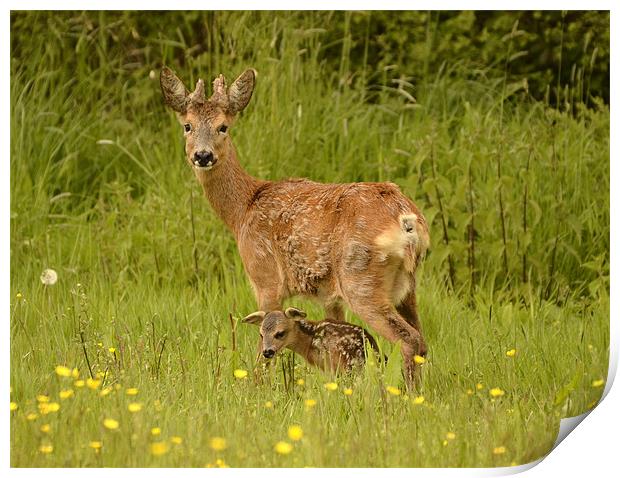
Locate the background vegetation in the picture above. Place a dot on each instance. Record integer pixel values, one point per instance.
(495, 123)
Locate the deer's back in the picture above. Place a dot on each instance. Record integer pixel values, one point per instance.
(304, 226)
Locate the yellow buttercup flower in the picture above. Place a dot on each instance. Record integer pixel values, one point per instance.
(134, 407)
(479, 386)
(301, 382)
(445, 443)
(105, 391)
(496, 392)
(43, 398)
(159, 448)
(392, 390)
(75, 373)
(598, 383)
(131, 391)
(511, 353)
(92, 383)
(499, 450)
(176, 440)
(95, 445)
(110, 424)
(310, 402)
(45, 428)
(418, 400)
(79, 383)
(348, 391)
(283, 448)
(14, 406)
(295, 432)
(331, 386)
(269, 404)
(32, 416)
(450, 436)
(46, 448)
(51, 407)
(155, 431)
(239, 373)
(64, 394)
(63, 371)
(218, 443)
(419, 359)
(111, 350)
(18, 295)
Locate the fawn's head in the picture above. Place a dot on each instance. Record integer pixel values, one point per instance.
(277, 329)
(206, 121)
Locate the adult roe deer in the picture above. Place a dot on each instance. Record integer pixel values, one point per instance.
(357, 243)
(328, 344)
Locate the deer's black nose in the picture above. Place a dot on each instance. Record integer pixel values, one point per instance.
(269, 353)
(204, 159)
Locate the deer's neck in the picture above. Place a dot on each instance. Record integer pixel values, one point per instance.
(229, 189)
(303, 344)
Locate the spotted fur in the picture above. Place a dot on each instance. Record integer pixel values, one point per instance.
(328, 344)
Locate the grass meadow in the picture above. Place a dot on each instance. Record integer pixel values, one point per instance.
(136, 356)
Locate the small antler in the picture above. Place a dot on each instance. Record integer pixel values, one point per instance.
(220, 93)
(198, 96)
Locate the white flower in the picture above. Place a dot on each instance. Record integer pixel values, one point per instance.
(49, 277)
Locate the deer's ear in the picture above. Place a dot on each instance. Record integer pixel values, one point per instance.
(240, 91)
(293, 313)
(255, 319)
(173, 90)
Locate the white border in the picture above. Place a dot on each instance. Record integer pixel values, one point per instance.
(589, 451)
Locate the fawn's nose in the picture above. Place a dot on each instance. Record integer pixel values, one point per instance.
(204, 159)
(269, 353)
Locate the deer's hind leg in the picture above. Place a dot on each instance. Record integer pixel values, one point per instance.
(367, 299)
(409, 311)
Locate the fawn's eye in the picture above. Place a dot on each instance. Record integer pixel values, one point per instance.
(222, 129)
(188, 127)
(279, 335)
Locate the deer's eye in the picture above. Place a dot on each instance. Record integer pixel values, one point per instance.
(188, 127)
(222, 129)
(279, 335)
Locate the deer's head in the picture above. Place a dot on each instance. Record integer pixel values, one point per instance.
(277, 329)
(206, 122)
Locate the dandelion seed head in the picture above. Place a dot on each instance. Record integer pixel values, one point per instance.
(49, 277)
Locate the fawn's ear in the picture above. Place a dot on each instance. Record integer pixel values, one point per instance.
(256, 318)
(293, 313)
(173, 90)
(240, 91)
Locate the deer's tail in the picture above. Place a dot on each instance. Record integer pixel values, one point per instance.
(408, 241)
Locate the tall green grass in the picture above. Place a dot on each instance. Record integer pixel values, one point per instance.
(516, 192)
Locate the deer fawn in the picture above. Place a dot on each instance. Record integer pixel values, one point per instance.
(329, 344)
(357, 244)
